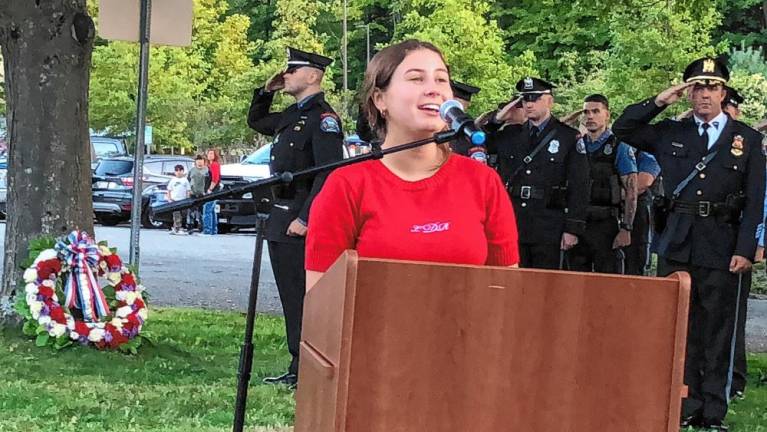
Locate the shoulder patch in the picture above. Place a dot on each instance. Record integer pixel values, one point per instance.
(580, 147)
(329, 123)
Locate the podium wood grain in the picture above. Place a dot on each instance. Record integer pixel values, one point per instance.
(394, 346)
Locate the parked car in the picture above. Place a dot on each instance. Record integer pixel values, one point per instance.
(239, 212)
(106, 147)
(113, 187)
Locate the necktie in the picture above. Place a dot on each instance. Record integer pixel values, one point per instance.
(704, 135)
(534, 131)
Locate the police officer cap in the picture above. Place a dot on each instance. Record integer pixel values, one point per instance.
(733, 97)
(531, 85)
(707, 71)
(463, 91)
(298, 58)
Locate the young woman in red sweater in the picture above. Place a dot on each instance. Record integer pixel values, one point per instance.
(423, 204)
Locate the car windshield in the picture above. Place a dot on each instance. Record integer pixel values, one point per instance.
(104, 148)
(259, 157)
(113, 167)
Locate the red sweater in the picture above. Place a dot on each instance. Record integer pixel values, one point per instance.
(461, 215)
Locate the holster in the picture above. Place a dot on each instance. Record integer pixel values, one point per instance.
(661, 207)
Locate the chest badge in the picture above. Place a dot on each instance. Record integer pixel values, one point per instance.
(608, 150)
(554, 147)
(737, 146)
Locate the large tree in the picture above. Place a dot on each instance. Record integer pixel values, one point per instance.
(47, 51)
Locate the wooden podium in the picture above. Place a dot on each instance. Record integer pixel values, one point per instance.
(392, 346)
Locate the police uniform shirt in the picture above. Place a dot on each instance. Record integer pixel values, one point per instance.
(646, 163)
(625, 162)
(306, 134)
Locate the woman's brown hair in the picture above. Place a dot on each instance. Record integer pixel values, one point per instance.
(216, 155)
(378, 76)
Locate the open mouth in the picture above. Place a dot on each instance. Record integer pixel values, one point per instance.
(431, 108)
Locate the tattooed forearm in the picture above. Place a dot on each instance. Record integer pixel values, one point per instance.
(630, 202)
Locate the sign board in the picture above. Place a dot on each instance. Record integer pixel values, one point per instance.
(148, 135)
(170, 22)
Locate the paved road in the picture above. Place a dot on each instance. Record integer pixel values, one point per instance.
(214, 272)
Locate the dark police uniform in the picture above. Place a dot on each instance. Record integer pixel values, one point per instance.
(306, 134)
(462, 144)
(609, 160)
(713, 218)
(638, 252)
(547, 193)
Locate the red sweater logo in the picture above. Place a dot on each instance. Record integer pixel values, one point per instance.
(430, 227)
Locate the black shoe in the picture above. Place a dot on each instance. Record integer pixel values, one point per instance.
(691, 421)
(737, 395)
(286, 379)
(714, 426)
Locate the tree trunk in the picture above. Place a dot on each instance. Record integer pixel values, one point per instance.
(47, 46)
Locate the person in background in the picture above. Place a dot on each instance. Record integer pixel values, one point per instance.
(214, 167)
(178, 189)
(462, 144)
(197, 177)
(426, 203)
(638, 252)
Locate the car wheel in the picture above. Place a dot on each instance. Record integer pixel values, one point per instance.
(108, 220)
(148, 221)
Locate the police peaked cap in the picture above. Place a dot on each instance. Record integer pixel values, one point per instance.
(733, 97)
(298, 58)
(707, 71)
(463, 91)
(531, 85)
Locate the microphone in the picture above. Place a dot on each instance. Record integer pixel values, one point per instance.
(452, 113)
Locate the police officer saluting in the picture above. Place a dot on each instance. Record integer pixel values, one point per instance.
(612, 194)
(306, 134)
(714, 179)
(545, 172)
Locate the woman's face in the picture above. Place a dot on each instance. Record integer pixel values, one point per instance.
(419, 86)
(211, 155)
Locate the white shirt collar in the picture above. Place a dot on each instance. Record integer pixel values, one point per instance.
(717, 122)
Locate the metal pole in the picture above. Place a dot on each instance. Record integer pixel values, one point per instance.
(345, 59)
(246, 351)
(138, 159)
(367, 27)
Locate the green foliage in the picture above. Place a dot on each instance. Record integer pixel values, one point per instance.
(471, 44)
(748, 60)
(641, 60)
(753, 88)
(194, 92)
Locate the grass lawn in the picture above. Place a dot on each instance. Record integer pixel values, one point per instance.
(186, 381)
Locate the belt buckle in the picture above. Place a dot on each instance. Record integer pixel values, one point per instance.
(525, 192)
(704, 208)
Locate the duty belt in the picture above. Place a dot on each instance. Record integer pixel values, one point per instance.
(527, 192)
(697, 208)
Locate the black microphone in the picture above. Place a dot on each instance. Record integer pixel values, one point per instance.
(452, 113)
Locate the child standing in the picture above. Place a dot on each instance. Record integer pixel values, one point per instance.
(178, 189)
(198, 176)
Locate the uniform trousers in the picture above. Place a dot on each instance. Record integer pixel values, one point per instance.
(539, 255)
(740, 370)
(288, 266)
(710, 338)
(594, 251)
(638, 252)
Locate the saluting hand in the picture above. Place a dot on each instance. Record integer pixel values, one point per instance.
(504, 115)
(276, 82)
(572, 118)
(739, 264)
(672, 94)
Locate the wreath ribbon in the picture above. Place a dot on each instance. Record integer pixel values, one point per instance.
(81, 289)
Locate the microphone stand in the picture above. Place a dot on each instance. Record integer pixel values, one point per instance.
(246, 351)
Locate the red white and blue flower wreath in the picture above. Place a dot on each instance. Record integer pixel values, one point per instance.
(71, 270)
